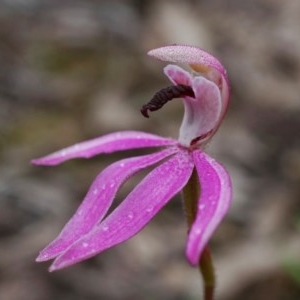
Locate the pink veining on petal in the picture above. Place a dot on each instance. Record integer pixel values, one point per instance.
(189, 55)
(99, 199)
(213, 204)
(140, 206)
(109, 143)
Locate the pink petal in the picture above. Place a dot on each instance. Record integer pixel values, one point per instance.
(140, 206)
(201, 115)
(213, 204)
(99, 199)
(177, 75)
(189, 55)
(105, 144)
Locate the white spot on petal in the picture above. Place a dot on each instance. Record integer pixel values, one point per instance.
(112, 184)
(201, 206)
(130, 215)
(198, 231)
(105, 227)
(149, 209)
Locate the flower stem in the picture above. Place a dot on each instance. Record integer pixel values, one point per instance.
(207, 270)
(191, 194)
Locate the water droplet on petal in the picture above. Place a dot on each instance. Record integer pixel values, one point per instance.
(95, 191)
(198, 231)
(105, 227)
(112, 184)
(149, 209)
(122, 165)
(130, 215)
(84, 245)
(63, 153)
(201, 206)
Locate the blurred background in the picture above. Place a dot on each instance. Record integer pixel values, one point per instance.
(73, 70)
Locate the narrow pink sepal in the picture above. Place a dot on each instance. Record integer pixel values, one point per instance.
(188, 55)
(213, 204)
(140, 206)
(109, 143)
(98, 200)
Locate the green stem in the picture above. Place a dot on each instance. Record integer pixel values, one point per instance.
(208, 274)
(191, 194)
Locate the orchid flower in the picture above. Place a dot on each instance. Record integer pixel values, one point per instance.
(204, 90)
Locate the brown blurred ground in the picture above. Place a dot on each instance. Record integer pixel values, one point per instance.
(72, 70)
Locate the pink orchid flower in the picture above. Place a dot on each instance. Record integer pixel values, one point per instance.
(205, 94)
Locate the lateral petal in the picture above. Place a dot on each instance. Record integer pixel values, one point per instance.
(139, 207)
(213, 204)
(109, 143)
(99, 199)
(177, 75)
(201, 114)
